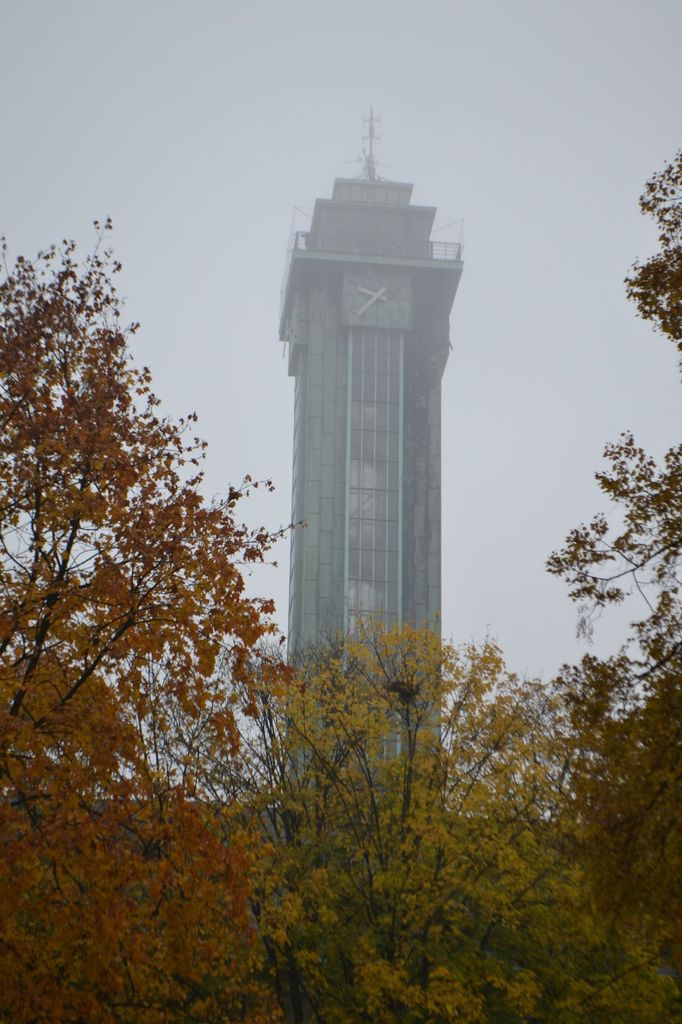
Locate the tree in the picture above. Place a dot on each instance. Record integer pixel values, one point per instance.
(656, 286)
(410, 798)
(627, 708)
(120, 588)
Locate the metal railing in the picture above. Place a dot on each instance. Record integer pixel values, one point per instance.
(352, 245)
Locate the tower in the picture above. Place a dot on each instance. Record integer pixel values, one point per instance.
(365, 313)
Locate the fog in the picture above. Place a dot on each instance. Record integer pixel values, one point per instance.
(199, 127)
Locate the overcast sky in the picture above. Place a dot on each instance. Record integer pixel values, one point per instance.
(199, 126)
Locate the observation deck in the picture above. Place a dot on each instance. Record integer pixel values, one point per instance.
(351, 245)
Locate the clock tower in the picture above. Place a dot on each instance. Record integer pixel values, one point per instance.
(365, 314)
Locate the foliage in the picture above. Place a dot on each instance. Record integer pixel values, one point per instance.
(656, 286)
(627, 709)
(119, 590)
(410, 800)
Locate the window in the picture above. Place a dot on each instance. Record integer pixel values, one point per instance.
(373, 484)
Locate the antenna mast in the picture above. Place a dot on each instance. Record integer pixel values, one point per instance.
(371, 133)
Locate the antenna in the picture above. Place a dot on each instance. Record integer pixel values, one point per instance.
(371, 133)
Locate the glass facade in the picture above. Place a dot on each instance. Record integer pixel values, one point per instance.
(373, 557)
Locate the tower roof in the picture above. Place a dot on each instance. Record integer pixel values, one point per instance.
(362, 190)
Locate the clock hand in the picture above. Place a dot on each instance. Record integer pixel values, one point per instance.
(381, 294)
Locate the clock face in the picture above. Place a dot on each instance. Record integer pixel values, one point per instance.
(377, 298)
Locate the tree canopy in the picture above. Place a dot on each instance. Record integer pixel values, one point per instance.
(627, 709)
(655, 286)
(411, 799)
(120, 591)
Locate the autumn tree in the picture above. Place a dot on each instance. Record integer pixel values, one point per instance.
(123, 895)
(656, 285)
(627, 708)
(410, 798)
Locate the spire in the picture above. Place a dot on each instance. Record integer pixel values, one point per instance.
(371, 133)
